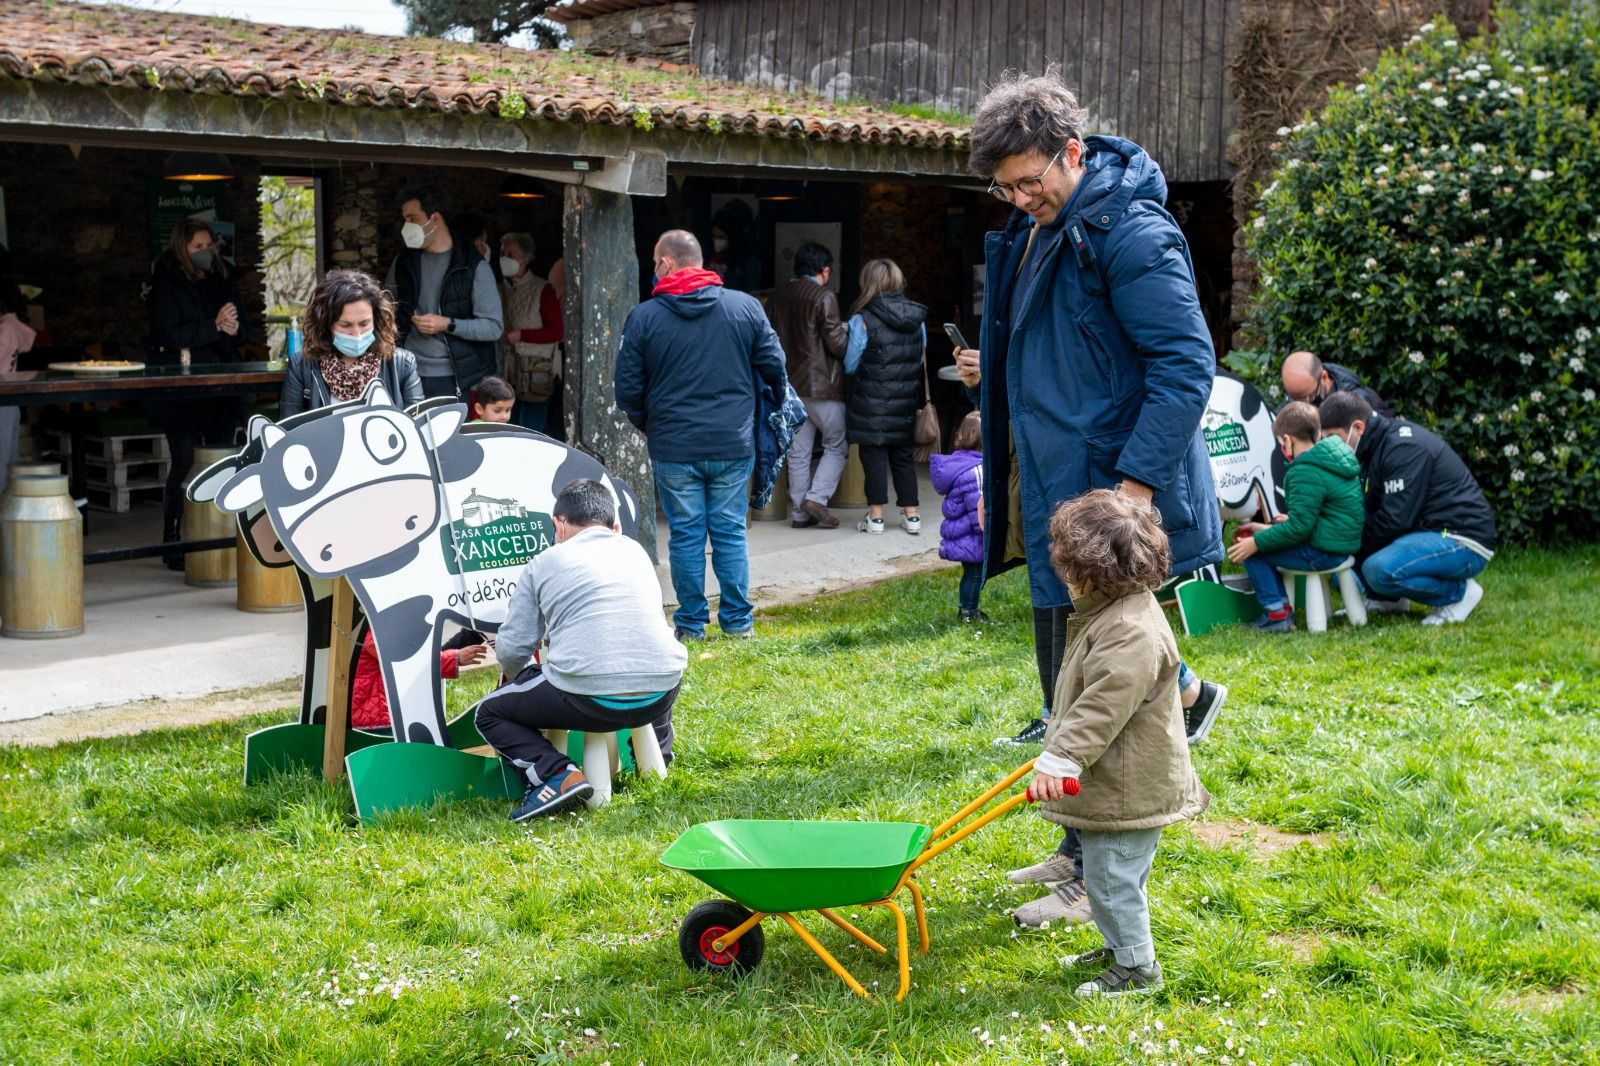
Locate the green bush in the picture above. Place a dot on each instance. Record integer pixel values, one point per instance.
(1435, 228)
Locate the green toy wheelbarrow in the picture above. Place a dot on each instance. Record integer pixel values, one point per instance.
(771, 868)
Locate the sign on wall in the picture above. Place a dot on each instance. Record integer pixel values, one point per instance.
(170, 202)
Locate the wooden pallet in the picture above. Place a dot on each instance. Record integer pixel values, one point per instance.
(127, 448)
(119, 500)
(122, 475)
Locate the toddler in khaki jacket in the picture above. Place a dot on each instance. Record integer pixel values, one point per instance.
(1118, 728)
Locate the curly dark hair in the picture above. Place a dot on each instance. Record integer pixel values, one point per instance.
(1109, 542)
(337, 289)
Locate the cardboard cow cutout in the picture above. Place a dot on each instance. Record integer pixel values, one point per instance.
(1246, 466)
(430, 522)
(1247, 469)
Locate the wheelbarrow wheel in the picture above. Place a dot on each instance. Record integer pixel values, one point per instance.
(710, 920)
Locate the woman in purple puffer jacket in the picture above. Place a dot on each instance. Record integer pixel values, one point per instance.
(958, 477)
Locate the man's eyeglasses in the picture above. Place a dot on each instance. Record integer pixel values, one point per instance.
(1027, 186)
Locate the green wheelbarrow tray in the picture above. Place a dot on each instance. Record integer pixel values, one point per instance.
(773, 868)
(776, 866)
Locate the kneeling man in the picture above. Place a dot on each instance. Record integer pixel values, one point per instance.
(1428, 530)
(611, 664)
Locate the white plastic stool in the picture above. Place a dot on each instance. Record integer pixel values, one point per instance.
(602, 759)
(1319, 595)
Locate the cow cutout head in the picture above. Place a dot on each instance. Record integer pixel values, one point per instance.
(351, 488)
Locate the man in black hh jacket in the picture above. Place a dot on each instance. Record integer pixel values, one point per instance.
(1429, 530)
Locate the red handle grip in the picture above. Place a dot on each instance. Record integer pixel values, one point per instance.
(1069, 785)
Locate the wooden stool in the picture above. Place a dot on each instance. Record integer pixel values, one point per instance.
(601, 758)
(1319, 595)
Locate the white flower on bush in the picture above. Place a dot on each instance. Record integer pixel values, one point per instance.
(1537, 457)
(1538, 175)
(1562, 296)
(1517, 475)
(1511, 450)
(1526, 358)
(1493, 83)
(1471, 75)
(1575, 363)
(1381, 168)
(1504, 312)
(1479, 419)
(1588, 395)
(1582, 334)
(1572, 436)
(1497, 170)
(1372, 264)
(1535, 396)
(1386, 149)
(1441, 101)
(1283, 131)
(1479, 149)
(1417, 357)
(1442, 282)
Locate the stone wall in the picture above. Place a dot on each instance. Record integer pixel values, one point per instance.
(78, 228)
(660, 33)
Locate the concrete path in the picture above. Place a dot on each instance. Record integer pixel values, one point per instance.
(156, 652)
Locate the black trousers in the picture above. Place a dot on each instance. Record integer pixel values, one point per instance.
(878, 461)
(1049, 649)
(511, 717)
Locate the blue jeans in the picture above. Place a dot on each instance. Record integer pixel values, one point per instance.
(971, 585)
(531, 415)
(700, 499)
(1429, 568)
(1268, 583)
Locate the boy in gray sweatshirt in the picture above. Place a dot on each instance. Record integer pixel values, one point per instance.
(612, 662)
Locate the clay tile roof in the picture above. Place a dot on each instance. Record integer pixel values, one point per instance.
(41, 40)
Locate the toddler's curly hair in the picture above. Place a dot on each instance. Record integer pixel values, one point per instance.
(1109, 542)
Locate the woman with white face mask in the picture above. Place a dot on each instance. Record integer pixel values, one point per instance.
(194, 307)
(533, 333)
(350, 333)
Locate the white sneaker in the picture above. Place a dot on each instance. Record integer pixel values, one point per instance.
(1388, 606)
(868, 524)
(1458, 611)
(911, 522)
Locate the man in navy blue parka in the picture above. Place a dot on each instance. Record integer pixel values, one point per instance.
(1094, 361)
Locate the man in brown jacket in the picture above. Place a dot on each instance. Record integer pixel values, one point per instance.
(805, 315)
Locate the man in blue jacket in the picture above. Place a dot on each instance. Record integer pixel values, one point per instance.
(1095, 368)
(686, 377)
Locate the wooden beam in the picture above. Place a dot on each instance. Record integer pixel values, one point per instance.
(340, 649)
(602, 287)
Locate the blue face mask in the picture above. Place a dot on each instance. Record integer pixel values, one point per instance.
(354, 347)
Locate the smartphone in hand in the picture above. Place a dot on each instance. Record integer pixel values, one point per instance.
(953, 331)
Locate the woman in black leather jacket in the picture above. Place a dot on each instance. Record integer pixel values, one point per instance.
(350, 333)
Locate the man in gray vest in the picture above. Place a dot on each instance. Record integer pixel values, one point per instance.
(449, 308)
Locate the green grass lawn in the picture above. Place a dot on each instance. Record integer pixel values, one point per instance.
(1402, 865)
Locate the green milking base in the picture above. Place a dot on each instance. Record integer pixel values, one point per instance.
(388, 777)
(1204, 605)
(294, 747)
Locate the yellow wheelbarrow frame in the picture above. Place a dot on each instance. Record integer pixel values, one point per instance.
(944, 837)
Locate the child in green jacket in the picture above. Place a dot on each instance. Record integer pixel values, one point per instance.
(1323, 526)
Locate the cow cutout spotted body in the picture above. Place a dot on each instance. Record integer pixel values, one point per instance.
(377, 495)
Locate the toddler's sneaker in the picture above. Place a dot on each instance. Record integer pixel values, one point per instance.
(554, 796)
(1279, 621)
(911, 522)
(868, 524)
(1067, 903)
(976, 617)
(1120, 980)
(1054, 870)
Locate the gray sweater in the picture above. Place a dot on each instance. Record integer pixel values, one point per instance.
(596, 597)
(432, 350)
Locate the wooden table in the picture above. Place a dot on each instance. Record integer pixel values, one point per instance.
(51, 388)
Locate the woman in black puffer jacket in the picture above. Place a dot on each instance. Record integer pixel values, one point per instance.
(194, 306)
(887, 387)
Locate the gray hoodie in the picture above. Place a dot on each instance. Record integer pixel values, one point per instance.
(595, 596)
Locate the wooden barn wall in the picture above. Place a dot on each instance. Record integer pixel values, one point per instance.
(1154, 71)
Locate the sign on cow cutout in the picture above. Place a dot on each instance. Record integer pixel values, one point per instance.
(428, 520)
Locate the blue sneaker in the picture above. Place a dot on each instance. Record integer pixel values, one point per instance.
(555, 796)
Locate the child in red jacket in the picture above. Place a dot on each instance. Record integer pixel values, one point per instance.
(369, 704)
